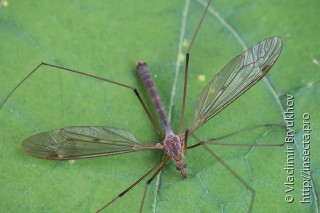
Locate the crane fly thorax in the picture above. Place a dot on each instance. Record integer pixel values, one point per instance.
(172, 145)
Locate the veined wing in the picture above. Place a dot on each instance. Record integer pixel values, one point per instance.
(82, 142)
(235, 78)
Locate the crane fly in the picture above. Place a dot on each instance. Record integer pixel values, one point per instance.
(78, 142)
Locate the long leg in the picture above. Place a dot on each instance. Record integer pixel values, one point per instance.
(160, 163)
(211, 141)
(186, 135)
(187, 67)
(150, 180)
(229, 169)
(89, 75)
(248, 128)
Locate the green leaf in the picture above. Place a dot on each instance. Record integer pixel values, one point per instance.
(106, 38)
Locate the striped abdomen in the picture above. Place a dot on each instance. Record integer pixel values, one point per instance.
(144, 73)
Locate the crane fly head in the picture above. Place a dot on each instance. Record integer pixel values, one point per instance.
(181, 165)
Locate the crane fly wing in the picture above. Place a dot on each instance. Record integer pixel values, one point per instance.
(235, 78)
(82, 142)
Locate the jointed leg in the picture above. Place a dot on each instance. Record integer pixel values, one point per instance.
(248, 128)
(187, 66)
(211, 141)
(229, 169)
(85, 74)
(150, 180)
(159, 165)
